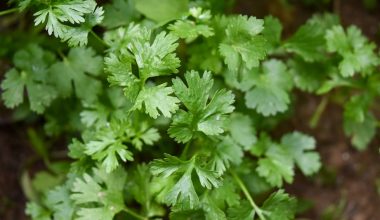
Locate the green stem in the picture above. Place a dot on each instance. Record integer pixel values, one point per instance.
(185, 150)
(318, 113)
(8, 11)
(134, 214)
(247, 195)
(98, 38)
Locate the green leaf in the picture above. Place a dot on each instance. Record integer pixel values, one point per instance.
(242, 130)
(120, 70)
(152, 60)
(78, 36)
(243, 211)
(358, 122)
(227, 194)
(277, 165)
(277, 160)
(243, 45)
(270, 95)
(103, 189)
(357, 53)
(162, 11)
(182, 190)
(308, 76)
(119, 13)
(249, 53)
(106, 148)
(143, 134)
(308, 41)
(225, 153)
(280, 206)
(157, 58)
(76, 73)
(203, 115)
(13, 87)
(157, 98)
(272, 31)
(69, 20)
(300, 146)
(211, 209)
(60, 202)
(37, 212)
(30, 74)
(142, 181)
(190, 30)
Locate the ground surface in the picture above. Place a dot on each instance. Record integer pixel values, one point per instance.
(344, 189)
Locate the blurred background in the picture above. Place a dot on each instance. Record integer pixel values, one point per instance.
(348, 186)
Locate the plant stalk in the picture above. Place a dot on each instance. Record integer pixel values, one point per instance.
(318, 112)
(8, 11)
(98, 38)
(185, 150)
(134, 214)
(247, 195)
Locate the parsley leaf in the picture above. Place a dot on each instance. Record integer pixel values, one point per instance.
(272, 31)
(152, 59)
(277, 160)
(163, 11)
(225, 153)
(243, 44)
(190, 30)
(104, 190)
(157, 97)
(358, 122)
(202, 115)
(280, 206)
(276, 166)
(31, 73)
(61, 203)
(110, 143)
(107, 147)
(270, 92)
(119, 12)
(300, 146)
(76, 73)
(243, 211)
(37, 212)
(182, 190)
(62, 16)
(357, 53)
(308, 41)
(242, 130)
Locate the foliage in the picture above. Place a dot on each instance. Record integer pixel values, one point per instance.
(163, 110)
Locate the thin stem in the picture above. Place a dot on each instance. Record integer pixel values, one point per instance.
(318, 112)
(98, 38)
(247, 195)
(134, 214)
(185, 150)
(8, 11)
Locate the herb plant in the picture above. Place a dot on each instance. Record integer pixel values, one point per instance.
(169, 105)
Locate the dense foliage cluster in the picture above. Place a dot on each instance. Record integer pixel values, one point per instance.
(169, 112)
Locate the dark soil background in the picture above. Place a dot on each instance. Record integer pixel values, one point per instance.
(345, 189)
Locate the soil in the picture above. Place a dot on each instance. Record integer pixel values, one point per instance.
(15, 151)
(344, 189)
